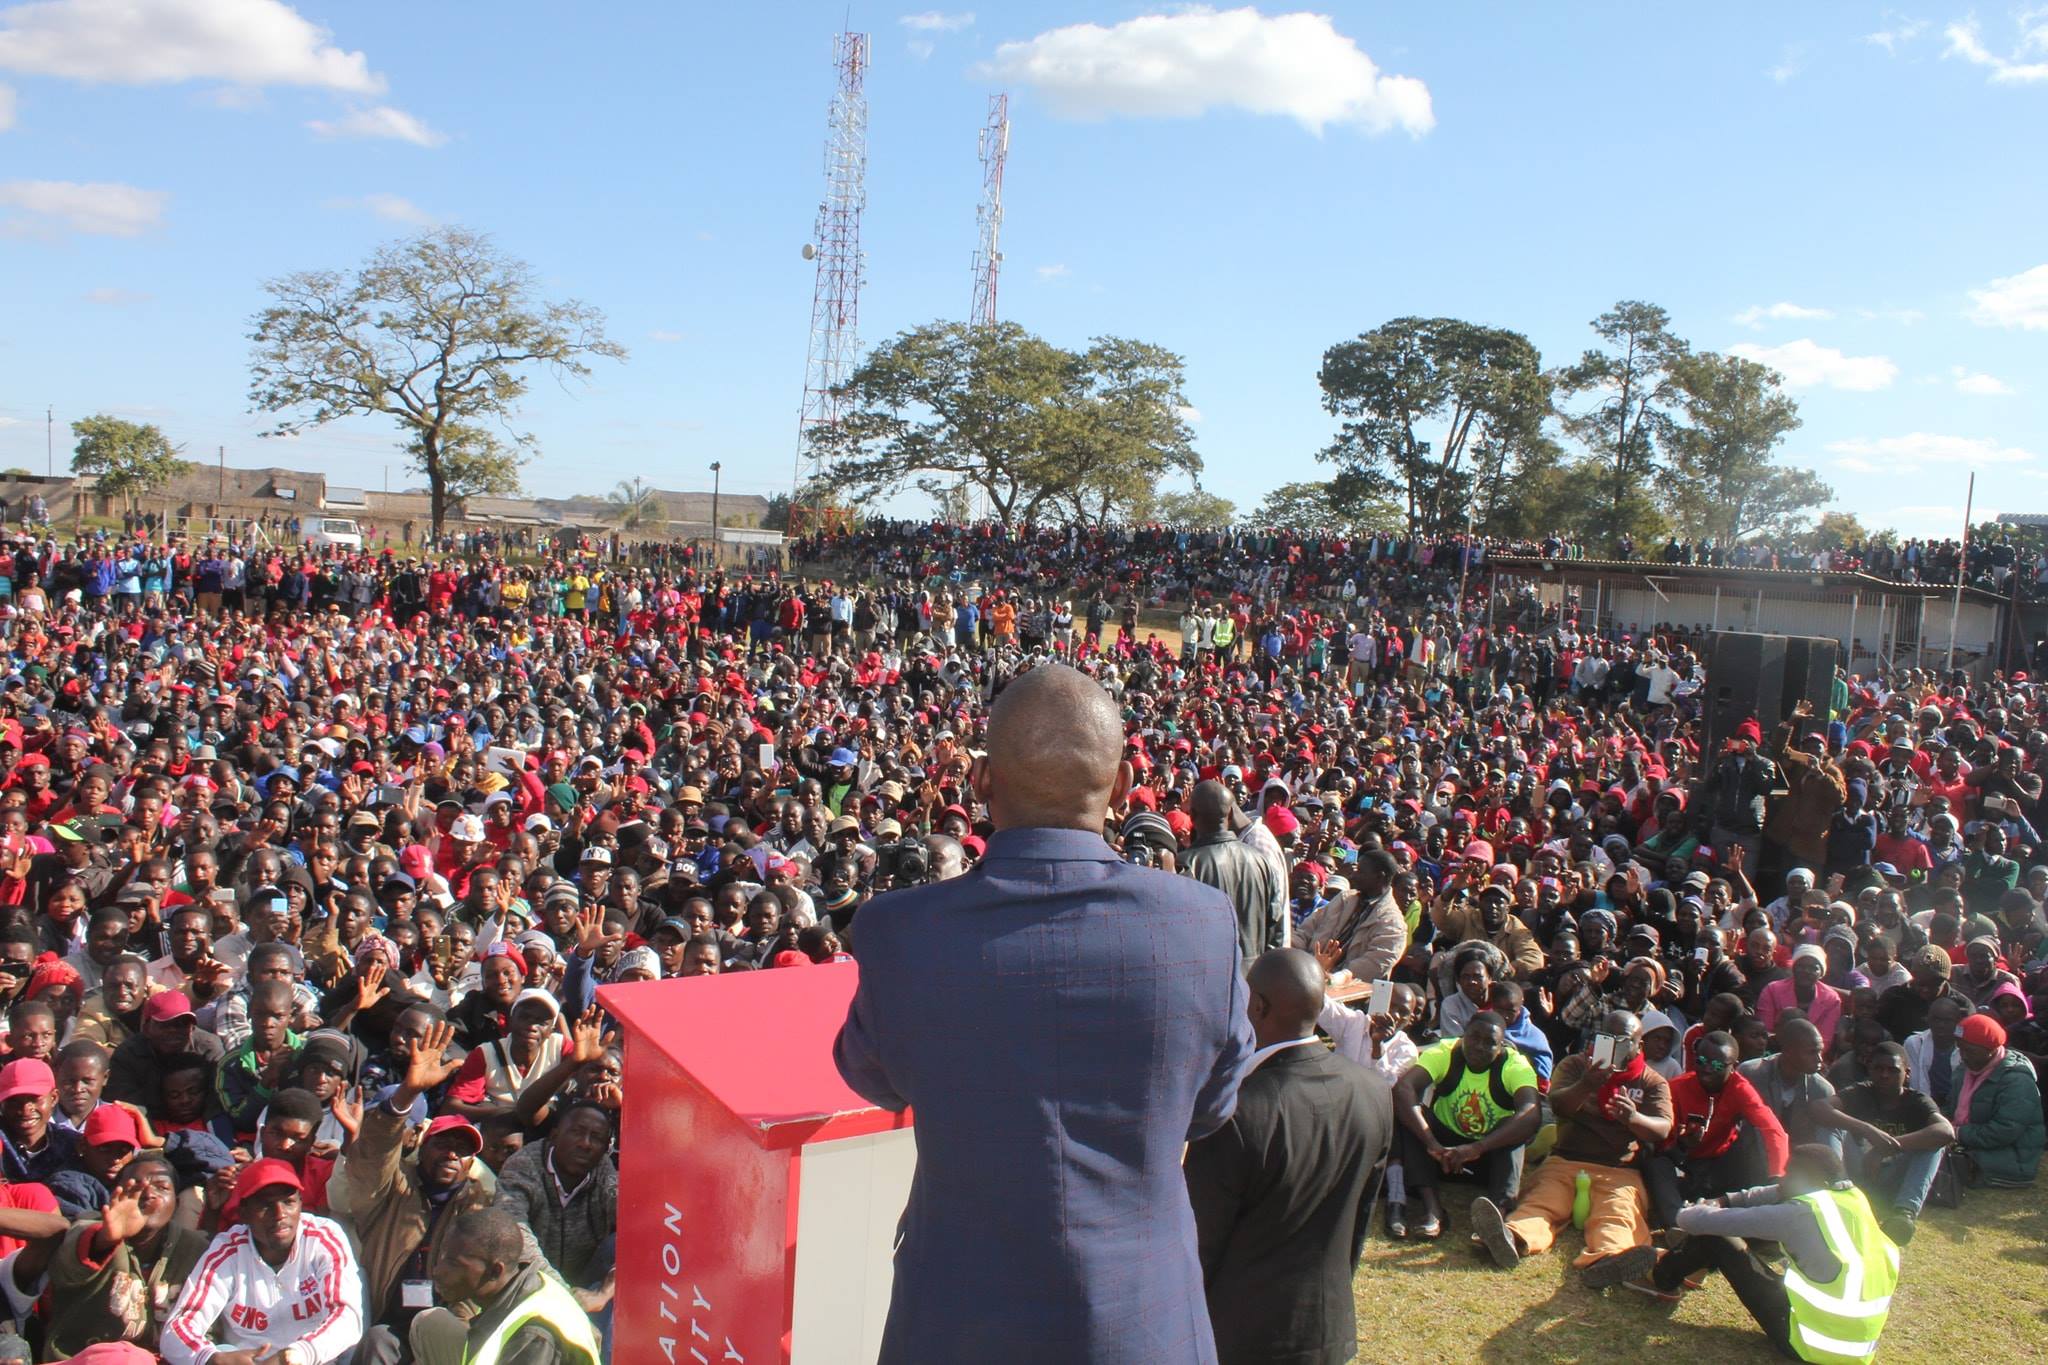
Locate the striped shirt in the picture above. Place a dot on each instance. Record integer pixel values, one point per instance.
(313, 1301)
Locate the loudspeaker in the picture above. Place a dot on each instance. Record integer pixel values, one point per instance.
(1810, 662)
(1745, 681)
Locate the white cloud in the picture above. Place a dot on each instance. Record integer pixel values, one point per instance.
(1915, 451)
(6, 108)
(2016, 301)
(117, 298)
(1793, 63)
(1901, 32)
(240, 98)
(1758, 314)
(1189, 413)
(158, 42)
(920, 49)
(1806, 363)
(393, 208)
(51, 207)
(1055, 271)
(1184, 64)
(1979, 385)
(932, 21)
(662, 334)
(380, 121)
(1964, 41)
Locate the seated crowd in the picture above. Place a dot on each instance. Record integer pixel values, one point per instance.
(312, 869)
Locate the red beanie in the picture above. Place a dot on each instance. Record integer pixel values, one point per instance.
(1982, 1030)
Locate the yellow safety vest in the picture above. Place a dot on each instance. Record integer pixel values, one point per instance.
(553, 1305)
(1838, 1323)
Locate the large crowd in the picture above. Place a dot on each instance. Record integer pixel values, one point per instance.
(312, 864)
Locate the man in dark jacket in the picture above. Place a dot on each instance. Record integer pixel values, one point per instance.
(1283, 1191)
(1046, 1218)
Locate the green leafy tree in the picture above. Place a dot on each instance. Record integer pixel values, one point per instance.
(126, 459)
(1119, 432)
(634, 506)
(442, 333)
(1036, 430)
(1196, 507)
(1336, 506)
(1839, 530)
(1722, 483)
(1481, 390)
(1634, 387)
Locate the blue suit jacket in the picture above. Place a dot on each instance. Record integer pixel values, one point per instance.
(1063, 1023)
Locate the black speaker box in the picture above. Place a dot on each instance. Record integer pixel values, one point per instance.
(1745, 681)
(1810, 662)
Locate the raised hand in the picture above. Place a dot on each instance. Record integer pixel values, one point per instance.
(122, 1215)
(1330, 953)
(426, 1067)
(370, 987)
(347, 1108)
(588, 1040)
(589, 930)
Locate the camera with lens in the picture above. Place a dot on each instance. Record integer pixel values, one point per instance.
(907, 862)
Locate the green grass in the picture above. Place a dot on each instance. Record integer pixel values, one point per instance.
(1973, 1287)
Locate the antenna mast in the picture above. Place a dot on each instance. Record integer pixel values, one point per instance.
(835, 298)
(988, 216)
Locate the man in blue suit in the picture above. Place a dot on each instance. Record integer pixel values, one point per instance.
(1063, 1023)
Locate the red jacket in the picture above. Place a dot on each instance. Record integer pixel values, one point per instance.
(1738, 1101)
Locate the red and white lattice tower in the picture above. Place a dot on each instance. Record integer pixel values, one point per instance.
(988, 216)
(835, 299)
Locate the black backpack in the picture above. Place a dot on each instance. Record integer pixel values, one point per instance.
(1496, 1077)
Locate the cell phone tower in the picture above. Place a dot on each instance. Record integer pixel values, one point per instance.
(835, 245)
(988, 216)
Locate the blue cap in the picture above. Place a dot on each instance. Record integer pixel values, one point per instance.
(844, 758)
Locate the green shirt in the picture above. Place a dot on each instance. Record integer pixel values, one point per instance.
(123, 1298)
(1470, 1107)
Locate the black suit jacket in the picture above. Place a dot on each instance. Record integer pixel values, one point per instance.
(1282, 1196)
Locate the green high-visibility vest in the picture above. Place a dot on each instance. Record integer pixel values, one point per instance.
(553, 1305)
(1226, 630)
(1838, 1323)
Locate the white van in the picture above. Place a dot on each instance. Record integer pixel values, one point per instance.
(339, 533)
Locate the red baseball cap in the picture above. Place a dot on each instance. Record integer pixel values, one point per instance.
(165, 1006)
(455, 1123)
(114, 1353)
(27, 1077)
(259, 1176)
(111, 1123)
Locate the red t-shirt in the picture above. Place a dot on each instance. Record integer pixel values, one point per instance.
(28, 1195)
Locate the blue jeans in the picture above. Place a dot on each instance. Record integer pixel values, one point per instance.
(1900, 1180)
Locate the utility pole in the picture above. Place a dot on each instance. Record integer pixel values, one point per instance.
(716, 466)
(50, 442)
(221, 489)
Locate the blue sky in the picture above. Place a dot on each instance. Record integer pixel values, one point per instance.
(1848, 191)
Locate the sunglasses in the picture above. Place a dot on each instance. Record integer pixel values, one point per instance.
(1710, 1064)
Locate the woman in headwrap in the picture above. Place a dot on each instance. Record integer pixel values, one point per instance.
(58, 984)
(1804, 991)
(1597, 929)
(1983, 971)
(1996, 1106)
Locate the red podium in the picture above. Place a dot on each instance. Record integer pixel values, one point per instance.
(759, 1196)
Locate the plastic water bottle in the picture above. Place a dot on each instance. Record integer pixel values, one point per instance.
(1582, 1198)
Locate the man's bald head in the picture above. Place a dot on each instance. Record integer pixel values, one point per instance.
(1286, 986)
(1055, 752)
(1211, 806)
